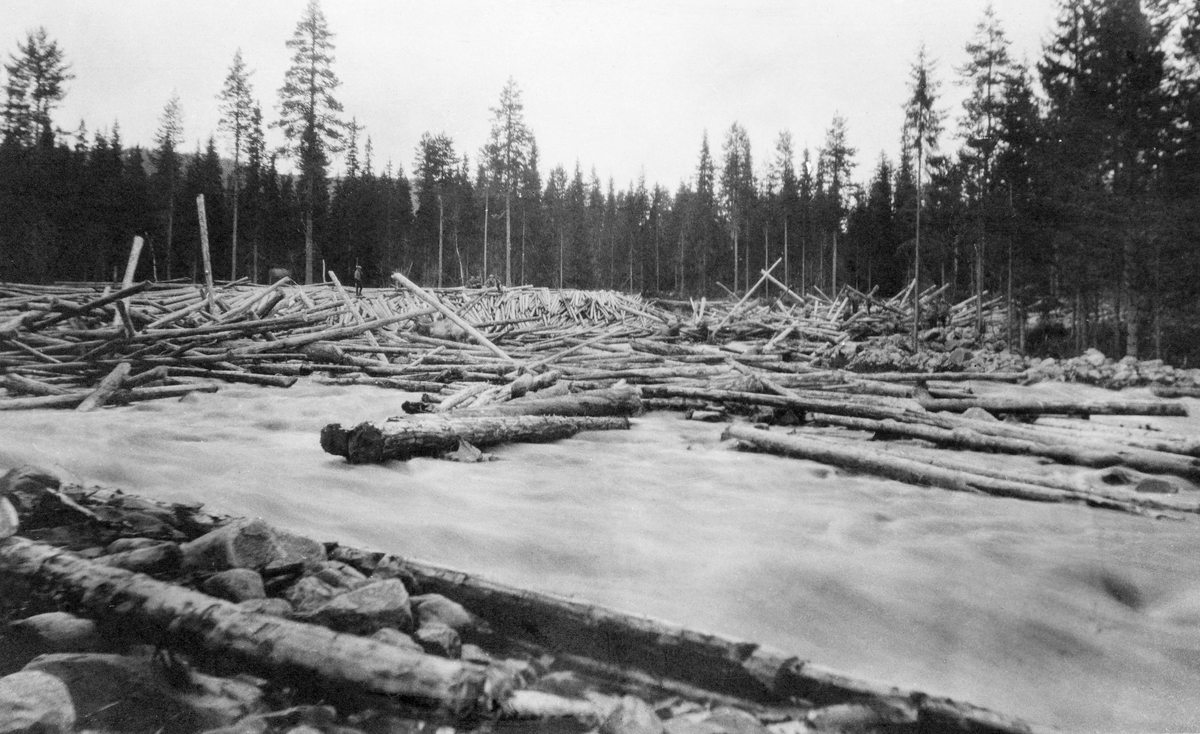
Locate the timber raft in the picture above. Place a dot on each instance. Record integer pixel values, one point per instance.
(270, 632)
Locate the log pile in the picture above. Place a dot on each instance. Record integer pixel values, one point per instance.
(127, 615)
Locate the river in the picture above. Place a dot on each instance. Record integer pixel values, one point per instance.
(1069, 616)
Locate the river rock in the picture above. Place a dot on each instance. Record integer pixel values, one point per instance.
(33, 702)
(340, 575)
(437, 638)
(57, 632)
(123, 545)
(249, 544)
(310, 593)
(430, 608)
(632, 716)
(121, 693)
(397, 638)
(364, 610)
(235, 585)
(735, 721)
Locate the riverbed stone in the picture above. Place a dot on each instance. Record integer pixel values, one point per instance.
(57, 632)
(364, 610)
(249, 544)
(310, 593)
(437, 638)
(133, 694)
(235, 585)
(340, 575)
(164, 557)
(632, 716)
(437, 608)
(33, 702)
(396, 638)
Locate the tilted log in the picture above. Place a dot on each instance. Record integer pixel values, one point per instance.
(111, 382)
(1030, 405)
(435, 434)
(15, 383)
(191, 622)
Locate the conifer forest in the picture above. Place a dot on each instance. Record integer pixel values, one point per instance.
(1068, 186)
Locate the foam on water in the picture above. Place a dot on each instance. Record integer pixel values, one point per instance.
(1066, 615)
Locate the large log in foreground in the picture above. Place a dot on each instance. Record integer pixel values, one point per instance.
(189, 621)
(434, 435)
(626, 647)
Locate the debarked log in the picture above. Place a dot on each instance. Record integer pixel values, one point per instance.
(1026, 406)
(120, 397)
(611, 401)
(847, 455)
(192, 622)
(433, 435)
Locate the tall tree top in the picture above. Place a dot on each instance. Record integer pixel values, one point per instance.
(306, 102)
(922, 119)
(36, 77)
(507, 151)
(236, 104)
(170, 125)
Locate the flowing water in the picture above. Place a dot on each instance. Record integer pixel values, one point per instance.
(1069, 616)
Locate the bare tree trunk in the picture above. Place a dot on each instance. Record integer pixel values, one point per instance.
(508, 238)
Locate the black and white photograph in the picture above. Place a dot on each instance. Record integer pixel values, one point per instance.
(599, 366)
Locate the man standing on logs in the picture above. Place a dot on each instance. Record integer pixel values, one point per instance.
(358, 280)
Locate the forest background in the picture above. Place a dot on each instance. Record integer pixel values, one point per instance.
(1070, 186)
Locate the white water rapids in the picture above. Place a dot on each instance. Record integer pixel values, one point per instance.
(1066, 615)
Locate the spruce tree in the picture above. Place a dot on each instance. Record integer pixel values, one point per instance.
(923, 123)
(506, 156)
(36, 75)
(237, 109)
(168, 165)
(309, 115)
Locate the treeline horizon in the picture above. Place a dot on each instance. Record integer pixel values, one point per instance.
(1074, 188)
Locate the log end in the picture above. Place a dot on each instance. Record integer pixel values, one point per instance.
(364, 444)
(334, 440)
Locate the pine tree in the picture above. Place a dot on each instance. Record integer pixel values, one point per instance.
(985, 72)
(36, 75)
(506, 156)
(237, 109)
(923, 123)
(835, 161)
(168, 164)
(737, 190)
(309, 114)
(435, 171)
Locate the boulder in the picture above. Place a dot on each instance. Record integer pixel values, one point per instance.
(249, 544)
(632, 716)
(340, 575)
(1094, 357)
(32, 702)
(123, 545)
(396, 638)
(735, 721)
(364, 610)
(57, 632)
(436, 608)
(310, 593)
(119, 693)
(235, 585)
(436, 638)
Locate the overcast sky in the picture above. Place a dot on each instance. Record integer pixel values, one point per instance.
(625, 86)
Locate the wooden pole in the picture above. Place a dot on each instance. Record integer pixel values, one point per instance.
(208, 278)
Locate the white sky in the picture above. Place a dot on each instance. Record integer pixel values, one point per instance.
(622, 85)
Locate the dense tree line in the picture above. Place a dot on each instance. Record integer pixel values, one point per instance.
(1070, 185)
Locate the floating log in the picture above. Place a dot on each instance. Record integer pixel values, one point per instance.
(119, 397)
(433, 435)
(850, 455)
(983, 436)
(1026, 405)
(624, 401)
(191, 622)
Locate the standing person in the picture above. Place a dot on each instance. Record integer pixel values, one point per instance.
(358, 280)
